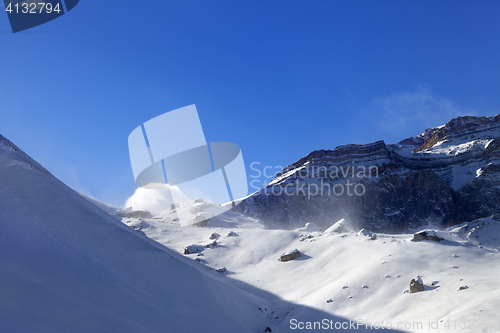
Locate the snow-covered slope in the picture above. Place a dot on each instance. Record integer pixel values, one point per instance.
(104, 206)
(361, 276)
(68, 266)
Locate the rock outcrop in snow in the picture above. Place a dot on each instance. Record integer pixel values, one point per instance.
(426, 235)
(416, 285)
(290, 255)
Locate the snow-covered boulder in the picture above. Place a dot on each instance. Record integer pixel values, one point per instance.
(364, 232)
(213, 244)
(340, 226)
(214, 236)
(290, 255)
(429, 235)
(190, 249)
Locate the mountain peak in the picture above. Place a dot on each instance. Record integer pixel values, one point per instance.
(447, 175)
(459, 126)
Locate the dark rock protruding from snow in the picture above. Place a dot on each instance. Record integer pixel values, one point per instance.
(190, 249)
(416, 285)
(304, 238)
(424, 235)
(213, 244)
(364, 232)
(221, 270)
(214, 236)
(290, 255)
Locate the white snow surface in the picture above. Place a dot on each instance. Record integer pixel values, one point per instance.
(68, 266)
(104, 206)
(350, 275)
(287, 253)
(340, 226)
(309, 227)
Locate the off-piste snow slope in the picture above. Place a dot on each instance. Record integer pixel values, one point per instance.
(351, 273)
(68, 266)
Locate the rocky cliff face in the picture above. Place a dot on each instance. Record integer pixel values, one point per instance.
(445, 176)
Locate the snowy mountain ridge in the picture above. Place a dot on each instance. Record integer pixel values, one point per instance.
(447, 175)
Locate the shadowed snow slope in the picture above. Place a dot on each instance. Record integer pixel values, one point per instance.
(104, 206)
(67, 266)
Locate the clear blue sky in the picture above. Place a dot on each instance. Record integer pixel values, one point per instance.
(279, 78)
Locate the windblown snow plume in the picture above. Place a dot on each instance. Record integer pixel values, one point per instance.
(154, 201)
